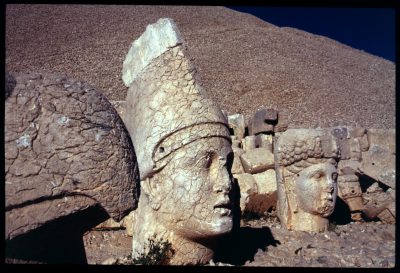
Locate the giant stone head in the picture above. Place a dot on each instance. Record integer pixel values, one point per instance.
(183, 147)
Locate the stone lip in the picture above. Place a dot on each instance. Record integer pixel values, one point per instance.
(157, 39)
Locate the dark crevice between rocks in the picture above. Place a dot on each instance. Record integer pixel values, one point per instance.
(57, 242)
(341, 214)
(366, 181)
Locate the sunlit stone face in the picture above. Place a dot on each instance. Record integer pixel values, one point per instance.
(195, 189)
(316, 189)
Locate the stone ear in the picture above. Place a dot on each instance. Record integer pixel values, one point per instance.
(149, 187)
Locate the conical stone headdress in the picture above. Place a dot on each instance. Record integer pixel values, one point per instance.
(166, 108)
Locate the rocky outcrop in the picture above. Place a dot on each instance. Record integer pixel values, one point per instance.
(66, 149)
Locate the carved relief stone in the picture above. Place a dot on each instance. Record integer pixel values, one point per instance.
(183, 149)
(306, 178)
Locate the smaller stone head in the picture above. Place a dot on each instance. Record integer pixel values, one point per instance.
(306, 176)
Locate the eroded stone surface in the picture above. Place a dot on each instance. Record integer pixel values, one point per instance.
(380, 165)
(257, 160)
(263, 121)
(236, 122)
(306, 176)
(248, 187)
(66, 149)
(183, 148)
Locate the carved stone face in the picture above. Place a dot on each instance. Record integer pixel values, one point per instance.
(193, 189)
(316, 189)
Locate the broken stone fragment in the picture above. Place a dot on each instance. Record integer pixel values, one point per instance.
(237, 124)
(355, 149)
(283, 122)
(380, 165)
(66, 150)
(263, 121)
(237, 166)
(248, 187)
(249, 143)
(157, 39)
(266, 182)
(236, 143)
(257, 160)
(385, 139)
(357, 132)
(266, 197)
(263, 141)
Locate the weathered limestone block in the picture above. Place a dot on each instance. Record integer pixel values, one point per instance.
(306, 178)
(360, 134)
(263, 121)
(248, 187)
(183, 148)
(237, 166)
(266, 184)
(380, 204)
(249, 143)
(380, 165)
(257, 160)
(355, 149)
(66, 149)
(236, 122)
(236, 143)
(385, 139)
(263, 141)
(154, 42)
(283, 122)
(266, 181)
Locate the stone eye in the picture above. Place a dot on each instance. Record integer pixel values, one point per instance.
(334, 176)
(317, 175)
(208, 159)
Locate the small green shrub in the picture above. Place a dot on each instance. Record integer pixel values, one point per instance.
(157, 252)
(333, 227)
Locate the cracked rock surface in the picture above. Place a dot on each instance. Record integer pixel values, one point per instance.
(66, 149)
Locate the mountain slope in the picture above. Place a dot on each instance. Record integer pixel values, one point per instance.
(244, 63)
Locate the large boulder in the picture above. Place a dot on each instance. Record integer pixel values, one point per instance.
(66, 149)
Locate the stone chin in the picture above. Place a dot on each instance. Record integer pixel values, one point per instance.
(221, 224)
(218, 226)
(327, 208)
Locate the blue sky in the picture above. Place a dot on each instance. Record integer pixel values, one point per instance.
(368, 29)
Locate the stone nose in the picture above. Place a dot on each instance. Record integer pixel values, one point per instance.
(222, 181)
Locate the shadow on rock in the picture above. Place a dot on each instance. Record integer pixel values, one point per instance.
(58, 242)
(341, 215)
(242, 245)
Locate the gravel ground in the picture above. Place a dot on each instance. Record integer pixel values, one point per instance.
(244, 62)
(264, 243)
